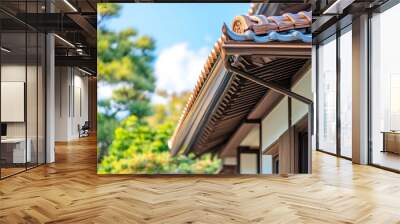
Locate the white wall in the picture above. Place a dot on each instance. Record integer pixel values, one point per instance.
(275, 124)
(71, 102)
(80, 109)
(232, 161)
(62, 81)
(248, 163)
(14, 74)
(12, 101)
(303, 88)
(252, 139)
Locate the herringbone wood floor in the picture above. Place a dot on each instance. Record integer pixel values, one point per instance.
(69, 191)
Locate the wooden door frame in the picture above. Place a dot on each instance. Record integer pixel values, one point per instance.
(247, 150)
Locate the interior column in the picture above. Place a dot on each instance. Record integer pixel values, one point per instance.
(360, 90)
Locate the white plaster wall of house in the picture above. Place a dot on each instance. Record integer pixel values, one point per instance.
(71, 102)
(276, 122)
(304, 88)
(273, 126)
(248, 162)
(278, 117)
(252, 139)
(229, 161)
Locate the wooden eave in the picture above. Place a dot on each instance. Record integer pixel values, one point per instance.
(273, 49)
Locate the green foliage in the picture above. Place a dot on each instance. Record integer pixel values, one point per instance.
(139, 148)
(170, 111)
(123, 58)
(105, 133)
(107, 10)
(138, 143)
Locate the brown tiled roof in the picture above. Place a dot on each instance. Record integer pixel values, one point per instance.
(261, 24)
(262, 29)
(205, 72)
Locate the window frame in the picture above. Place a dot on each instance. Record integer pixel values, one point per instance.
(333, 37)
(378, 10)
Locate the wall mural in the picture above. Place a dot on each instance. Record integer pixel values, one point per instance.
(169, 101)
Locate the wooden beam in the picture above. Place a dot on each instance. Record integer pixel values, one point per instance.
(252, 121)
(282, 50)
(286, 92)
(234, 141)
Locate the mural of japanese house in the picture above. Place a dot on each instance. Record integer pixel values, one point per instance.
(253, 103)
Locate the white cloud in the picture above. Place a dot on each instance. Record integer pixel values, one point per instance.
(104, 90)
(178, 67)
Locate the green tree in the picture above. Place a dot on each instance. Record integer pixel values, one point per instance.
(141, 149)
(124, 61)
(107, 10)
(138, 143)
(107, 123)
(124, 58)
(171, 110)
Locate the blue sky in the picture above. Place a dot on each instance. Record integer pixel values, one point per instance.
(184, 33)
(198, 24)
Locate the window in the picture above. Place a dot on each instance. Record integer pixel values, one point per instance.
(22, 77)
(346, 93)
(327, 96)
(385, 89)
(394, 102)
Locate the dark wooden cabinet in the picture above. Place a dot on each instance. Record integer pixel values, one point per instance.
(391, 142)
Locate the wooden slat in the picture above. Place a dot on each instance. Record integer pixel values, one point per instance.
(70, 191)
(241, 99)
(282, 50)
